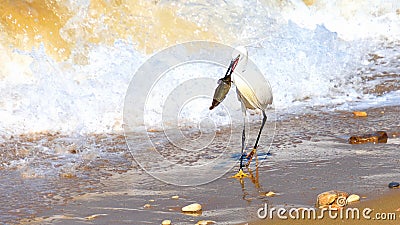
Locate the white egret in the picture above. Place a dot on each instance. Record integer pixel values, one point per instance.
(253, 91)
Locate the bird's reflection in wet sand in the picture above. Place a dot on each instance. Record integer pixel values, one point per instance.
(254, 177)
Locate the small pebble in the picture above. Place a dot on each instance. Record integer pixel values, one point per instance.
(92, 217)
(360, 114)
(175, 197)
(326, 198)
(394, 184)
(153, 130)
(152, 200)
(195, 207)
(146, 206)
(205, 222)
(67, 175)
(353, 198)
(166, 222)
(270, 194)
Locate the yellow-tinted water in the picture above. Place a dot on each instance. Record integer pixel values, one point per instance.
(62, 27)
(27, 23)
(151, 25)
(309, 2)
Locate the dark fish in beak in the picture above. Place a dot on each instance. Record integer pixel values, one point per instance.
(220, 93)
(224, 84)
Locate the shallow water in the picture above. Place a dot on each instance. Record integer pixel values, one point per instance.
(309, 155)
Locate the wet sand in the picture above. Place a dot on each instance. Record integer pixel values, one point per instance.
(99, 182)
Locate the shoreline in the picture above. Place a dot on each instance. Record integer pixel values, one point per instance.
(309, 155)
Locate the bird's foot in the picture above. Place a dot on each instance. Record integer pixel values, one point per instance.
(240, 174)
(250, 156)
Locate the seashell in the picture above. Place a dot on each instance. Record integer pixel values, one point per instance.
(353, 198)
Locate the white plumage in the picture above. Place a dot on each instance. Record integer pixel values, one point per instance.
(253, 90)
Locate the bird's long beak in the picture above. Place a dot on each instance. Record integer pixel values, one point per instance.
(224, 84)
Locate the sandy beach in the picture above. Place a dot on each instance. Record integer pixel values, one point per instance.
(309, 155)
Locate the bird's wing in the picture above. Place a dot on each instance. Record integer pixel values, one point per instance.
(244, 100)
(253, 90)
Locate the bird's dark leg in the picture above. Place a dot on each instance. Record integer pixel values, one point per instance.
(243, 134)
(241, 174)
(251, 154)
(243, 141)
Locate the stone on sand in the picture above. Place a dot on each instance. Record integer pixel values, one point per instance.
(377, 137)
(353, 198)
(360, 114)
(394, 185)
(205, 222)
(195, 207)
(166, 222)
(270, 194)
(329, 198)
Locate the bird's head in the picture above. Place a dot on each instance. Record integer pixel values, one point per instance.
(239, 57)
